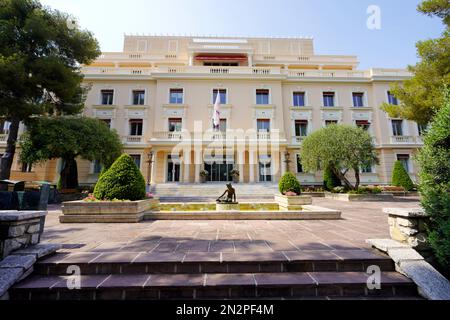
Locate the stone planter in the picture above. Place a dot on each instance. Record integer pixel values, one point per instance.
(408, 226)
(382, 197)
(107, 211)
(19, 230)
(292, 203)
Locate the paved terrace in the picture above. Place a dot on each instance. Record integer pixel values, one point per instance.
(360, 221)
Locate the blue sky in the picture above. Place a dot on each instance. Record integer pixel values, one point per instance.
(338, 26)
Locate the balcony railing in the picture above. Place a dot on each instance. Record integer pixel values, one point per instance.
(3, 138)
(168, 136)
(298, 140)
(403, 140)
(133, 139)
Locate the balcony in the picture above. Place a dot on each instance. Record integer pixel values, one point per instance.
(403, 140)
(133, 140)
(298, 140)
(168, 136)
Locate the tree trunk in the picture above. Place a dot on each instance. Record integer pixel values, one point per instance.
(358, 178)
(69, 174)
(342, 176)
(8, 157)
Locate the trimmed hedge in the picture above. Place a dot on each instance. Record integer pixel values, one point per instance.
(401, 178)
(122, 181)
(330, 180)
(289, 183)
(434, 161)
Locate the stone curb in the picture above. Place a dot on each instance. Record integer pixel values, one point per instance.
(432, 285)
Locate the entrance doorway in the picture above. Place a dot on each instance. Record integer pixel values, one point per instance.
(173, 169)
(220, 171)
(265, 169)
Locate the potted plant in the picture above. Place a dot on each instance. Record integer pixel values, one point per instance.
(203, 176)
(235, 175)
(290, 197)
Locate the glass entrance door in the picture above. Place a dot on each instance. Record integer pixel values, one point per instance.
(173, 170)
(219, 172)
(265, 169)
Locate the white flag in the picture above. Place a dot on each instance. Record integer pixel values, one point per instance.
(216, 115)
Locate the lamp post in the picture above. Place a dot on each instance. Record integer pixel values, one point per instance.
(149, 169)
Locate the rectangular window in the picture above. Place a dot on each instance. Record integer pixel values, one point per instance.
(358, 99)
(328, 99)
(97, 167)
(392, 99)
(363, 124)
(263, 125)
(138, 97)
(422, 128)
(299, 99)
(175, 125)
(107, 97)
(223, 95)
(137, 160)
(223, 125)
(136, 127)
(367, 169)
(404, 159)
(26, 168)
(262, 96)
(330, 122)
(397, 128)
(176, 96)
(107, 122)
(301, 128)
(299, 165)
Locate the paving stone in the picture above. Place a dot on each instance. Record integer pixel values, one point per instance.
(358, 255)
(116, 257)
(253, 257)
(128, 281)
(24, 262)
(155, 257)
(178, 280)
(202, 257)
(292, 279)
(311, 255)
(230, 280)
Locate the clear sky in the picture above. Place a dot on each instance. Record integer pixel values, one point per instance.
(338, 26)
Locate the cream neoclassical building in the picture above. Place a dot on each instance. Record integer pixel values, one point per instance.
(159, 95)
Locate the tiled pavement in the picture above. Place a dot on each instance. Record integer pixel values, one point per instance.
(360, 221)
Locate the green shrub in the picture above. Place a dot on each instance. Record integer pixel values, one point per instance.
(330, 180)
(122, 181)
(401, 178)
(434, 161)
(289, 183)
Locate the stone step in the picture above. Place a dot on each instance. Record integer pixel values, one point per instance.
(213, 262)
(215, 286)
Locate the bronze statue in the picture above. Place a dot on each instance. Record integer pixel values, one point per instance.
(231, 195)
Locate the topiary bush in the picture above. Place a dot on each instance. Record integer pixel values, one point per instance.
(434, 161)
(330, 180)
(401, 178)
(289, 183)
(122, 181)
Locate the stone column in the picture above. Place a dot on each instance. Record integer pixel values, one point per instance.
(153, 167)
(187, 166)
(283, 163)
(241, 161)
(252, 166)
(198, 166)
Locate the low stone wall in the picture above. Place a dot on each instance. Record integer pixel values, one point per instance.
(107, 211)
(383, 197)
(292, 203)
(408, 226)
(19, 230)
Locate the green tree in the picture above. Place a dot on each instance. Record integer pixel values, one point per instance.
(401, 178)
(40, 57)
(123, 181)
(330, 180)
(69, 138)
(421, 96)
(342, 148)
(434, 160)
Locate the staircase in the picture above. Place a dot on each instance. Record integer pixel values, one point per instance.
(175, 192)
(199, 275)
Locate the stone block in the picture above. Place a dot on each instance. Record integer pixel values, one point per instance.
(40, 250)
(360, 197)
(403, 254)
(432, 285)
(8, 277)
(408, 223)
(386, 244)
(24, 262)
(16, 231)
(408, 231)
(34, 228)
(406, 213)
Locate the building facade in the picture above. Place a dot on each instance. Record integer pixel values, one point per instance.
(159, 95)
